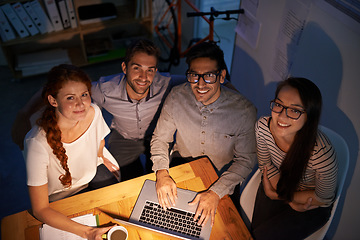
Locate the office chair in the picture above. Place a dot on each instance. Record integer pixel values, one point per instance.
(247, 198)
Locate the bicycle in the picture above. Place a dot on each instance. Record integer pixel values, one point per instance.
(170, 32)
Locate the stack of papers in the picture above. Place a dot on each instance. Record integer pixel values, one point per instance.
(41, 62)
(50, 233)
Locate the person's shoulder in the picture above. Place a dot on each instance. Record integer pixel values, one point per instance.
(96, 108)
(262, 123)
(181, 89)
(263, 120)
(110, 81)
(160, 82)
(36, 133)
(323, 152)
(161, 79)
(107, 85)
(239, 101)
(236, 96)
(178, 93)
(323, 143)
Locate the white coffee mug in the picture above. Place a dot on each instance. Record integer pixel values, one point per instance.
(117, 233)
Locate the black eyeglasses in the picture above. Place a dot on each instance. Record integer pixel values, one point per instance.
(293, 113)
(209, 78)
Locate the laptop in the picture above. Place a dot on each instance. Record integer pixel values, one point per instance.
(177, 221)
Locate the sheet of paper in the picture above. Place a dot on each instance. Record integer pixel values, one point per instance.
(250, 6)
(292, 25)
(248, 28)
(49, 233)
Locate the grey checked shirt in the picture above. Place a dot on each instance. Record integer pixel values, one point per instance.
(132, 119)
(223, 131)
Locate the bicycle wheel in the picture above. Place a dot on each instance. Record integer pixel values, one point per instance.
(165, 32)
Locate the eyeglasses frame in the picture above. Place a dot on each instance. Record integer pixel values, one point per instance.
(286, 108)
(202, 76)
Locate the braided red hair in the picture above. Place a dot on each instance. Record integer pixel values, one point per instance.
(57, 77)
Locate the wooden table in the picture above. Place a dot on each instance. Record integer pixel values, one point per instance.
(118, 200)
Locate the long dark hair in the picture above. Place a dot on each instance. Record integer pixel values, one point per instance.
(56, 79)
(293, 167)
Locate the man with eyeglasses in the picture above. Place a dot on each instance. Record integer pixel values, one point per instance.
(209, 120)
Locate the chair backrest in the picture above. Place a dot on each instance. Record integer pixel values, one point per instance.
(342, 154)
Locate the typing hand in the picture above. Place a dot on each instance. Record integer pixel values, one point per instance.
(165, 189)
(208, 202)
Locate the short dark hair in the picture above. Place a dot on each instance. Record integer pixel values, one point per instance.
(141, 45)
(207, 50)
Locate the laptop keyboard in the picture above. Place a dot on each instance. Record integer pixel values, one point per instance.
(173, 219)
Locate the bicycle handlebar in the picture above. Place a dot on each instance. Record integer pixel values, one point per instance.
(214, 13)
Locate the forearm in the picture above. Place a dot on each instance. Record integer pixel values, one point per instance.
(159, 155)
(101, 149)
(303, 196)
(60, 221)
(160, 143)
(300, 197)
(234, 175)
(274, 180)
(226, 184)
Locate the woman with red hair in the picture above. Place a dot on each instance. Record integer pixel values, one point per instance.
(64, 151)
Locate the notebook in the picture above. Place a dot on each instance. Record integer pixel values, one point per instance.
(177, 221)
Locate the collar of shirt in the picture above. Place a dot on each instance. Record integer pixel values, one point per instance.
(141, 100)
(218, 102)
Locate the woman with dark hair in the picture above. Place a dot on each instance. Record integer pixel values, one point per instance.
(64, 152)
(298, 164)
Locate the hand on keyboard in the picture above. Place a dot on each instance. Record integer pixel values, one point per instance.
(208, 202)
(165, 189)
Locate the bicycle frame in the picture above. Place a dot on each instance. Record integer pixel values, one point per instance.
(175, 5)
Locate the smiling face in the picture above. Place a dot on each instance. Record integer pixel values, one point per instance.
(140, 73)
(281, 125)
(72, 102)
(204, 92)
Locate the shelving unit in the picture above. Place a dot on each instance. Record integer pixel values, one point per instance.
(117, 32)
